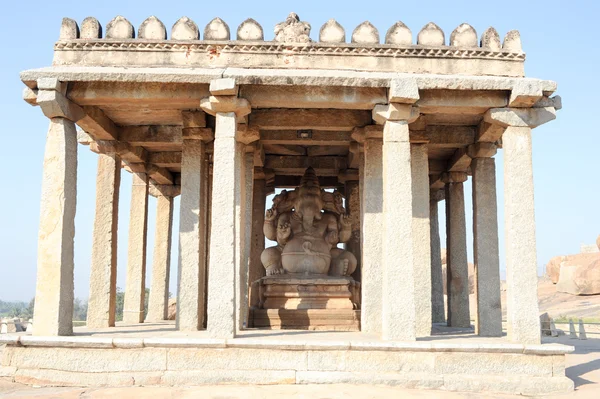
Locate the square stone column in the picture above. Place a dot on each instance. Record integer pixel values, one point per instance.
(521, 257)
(488, 321)
(135, 285)
(158, 303)
(192, 237)
(354, 211)
(103, 275)
(226, 206)
(54, 293)
(457, 271)
(398, 315)
(256, 270)
(421, 238)
(372, 237)
(438, 314)
(244, 227)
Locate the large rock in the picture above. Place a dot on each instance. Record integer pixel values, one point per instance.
(554, 268)
(580, 275)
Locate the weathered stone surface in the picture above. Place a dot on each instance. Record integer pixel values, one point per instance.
(55, 104)
(463, 36)
(457, 271)
(133, 308)
(332, 32)
(431, 35)
(488, 322)
(398, 322)
(580, 275)
(161, 260)
(399, 34)
(521, 259)
(91, 29)
(152, 28)
(403, 90)
(525, 94)
(372, 238)
(223, 87)
(216, 29)
(185, 29)
(292, 30)
(520, 117)
(490, 39)
(512, 41)
(119, 28)
(365, 33)
(553, 268)
(103, 274)
(192, 237)
(54, 290)
(69, 29)
(250, 30)
(421, 239)
(394, 112)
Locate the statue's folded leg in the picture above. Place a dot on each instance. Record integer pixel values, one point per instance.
(343, 263)
(271, 260)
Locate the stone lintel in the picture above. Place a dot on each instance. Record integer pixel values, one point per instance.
(98, 125)
(460, 161)
(443, 136)
(525, 93)
(347, 175)
(223, 87)
(54, 104)
(394, 112)
(489, 132)
(217, 104)
(403, 90)
(136, 167)
(482, 150)
(52, 84)
(197, 133)
(454, 177)
(164, 190)
(192, 119)
(310, 119)
(360, 134)
(83, 138)
(520, 117)
(247, 134)
(160, 175)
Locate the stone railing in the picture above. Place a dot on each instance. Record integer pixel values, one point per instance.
(485, 55)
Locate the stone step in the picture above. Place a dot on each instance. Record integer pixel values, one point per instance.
(310, 319)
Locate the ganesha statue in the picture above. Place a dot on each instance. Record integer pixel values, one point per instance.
(308, 223)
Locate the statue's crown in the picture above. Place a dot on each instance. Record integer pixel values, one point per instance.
(309, 179)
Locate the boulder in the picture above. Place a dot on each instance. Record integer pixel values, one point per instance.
(553, 268)
(172, 312)
(580, 275)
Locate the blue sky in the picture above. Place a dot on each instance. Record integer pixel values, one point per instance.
(560, 39)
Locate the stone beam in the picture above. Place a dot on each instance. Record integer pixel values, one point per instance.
(127, 152)
(520, 117)
(472, 102)
(444, 136)
(98, 125)
(143, 135)
(165, 190)
(165, 159)
(289, 165)
(459, 162)
(487, 132)
(337, 97)
(316, 119)
(293, 137)
(160, 175)
(435, 182)
(437, 166)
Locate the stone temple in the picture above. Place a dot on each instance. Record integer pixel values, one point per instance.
(364, 138)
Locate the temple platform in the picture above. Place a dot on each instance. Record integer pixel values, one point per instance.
(156, 354)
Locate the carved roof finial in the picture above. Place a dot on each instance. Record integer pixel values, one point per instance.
(292, 30)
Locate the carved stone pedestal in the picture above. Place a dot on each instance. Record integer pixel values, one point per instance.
(308, 303)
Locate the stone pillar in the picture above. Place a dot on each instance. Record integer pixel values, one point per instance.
(256, 269)
(521, 256)
(488, 320)
(103, 275)
(245, 177)
(457, 270)
(514, 124)
(158, 303)
(353, 209)
(192, 237)
(53, 313)
(135, 287)
(372, 237)
(437, 281)
(421, 238)
(398, 315)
